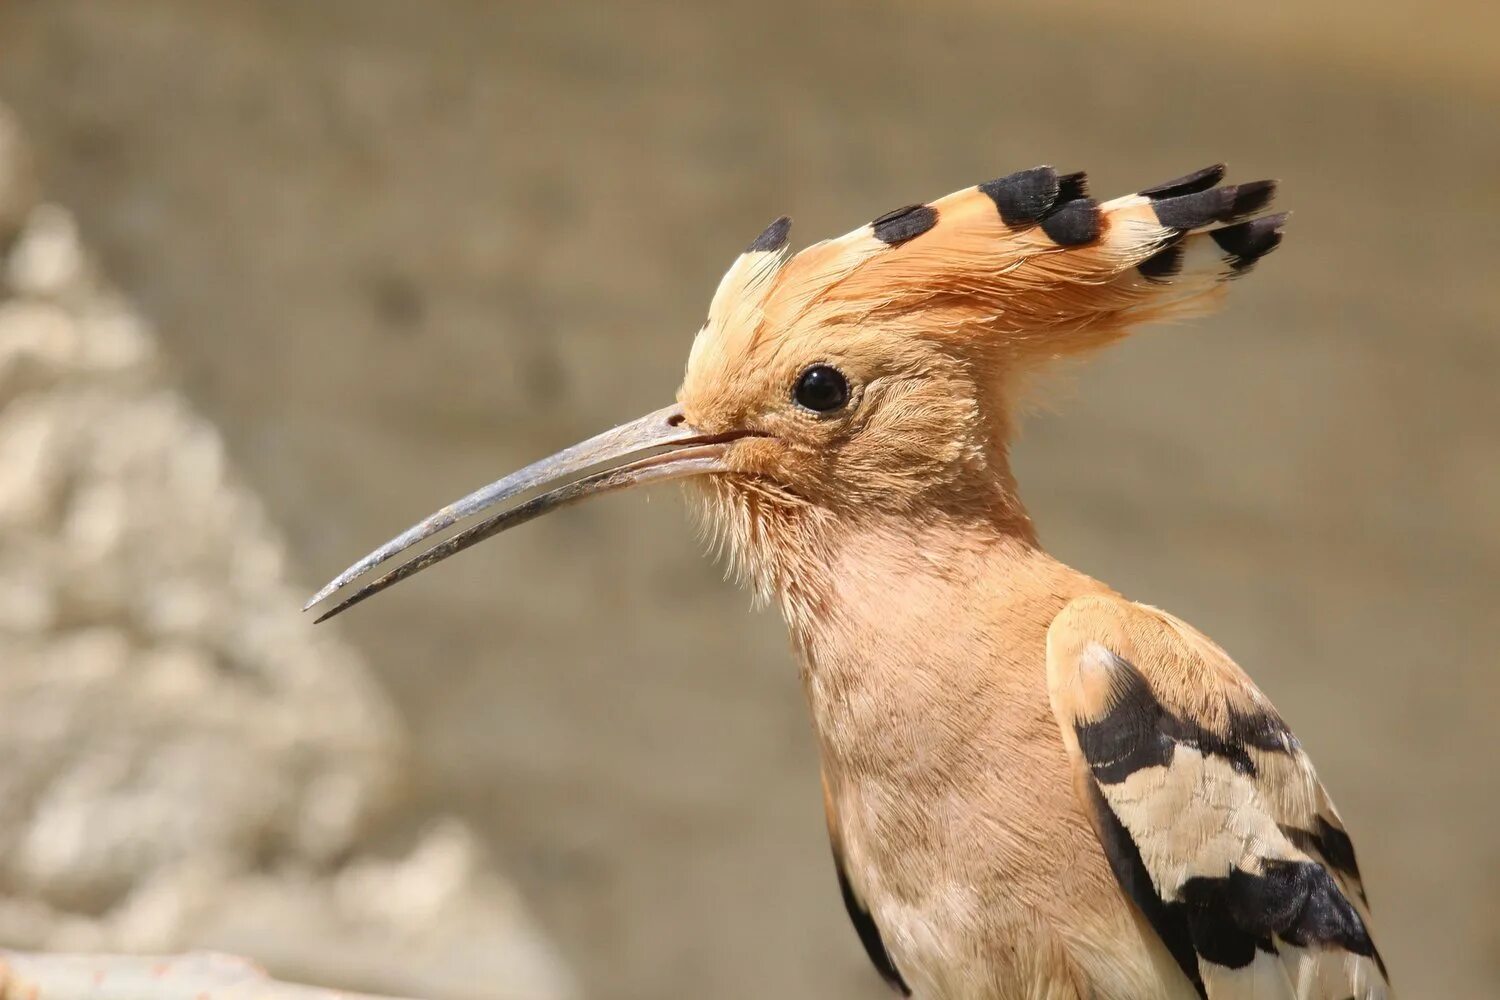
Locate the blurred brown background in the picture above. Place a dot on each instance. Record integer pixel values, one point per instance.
(394, 249)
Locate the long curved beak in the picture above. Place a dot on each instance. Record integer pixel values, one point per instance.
(657, 447)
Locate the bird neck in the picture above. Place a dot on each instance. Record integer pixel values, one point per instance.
(819, 561)
(844, 572)
(925, 634)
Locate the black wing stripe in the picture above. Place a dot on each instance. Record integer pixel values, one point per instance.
(1169, 920)
(1223, 919)
(1296, 901)
(1139, 732)
(869, 934)
(1327, 842)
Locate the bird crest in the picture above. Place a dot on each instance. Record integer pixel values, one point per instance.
(1013, 271)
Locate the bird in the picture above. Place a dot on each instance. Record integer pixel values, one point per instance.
(1034, 786)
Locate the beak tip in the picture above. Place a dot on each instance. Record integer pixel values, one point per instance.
(562, 479)
(321, 596)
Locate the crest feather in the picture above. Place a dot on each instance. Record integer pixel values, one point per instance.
(1029, 263)
(735, 313)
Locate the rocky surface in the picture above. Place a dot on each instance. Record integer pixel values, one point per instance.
(194, 976)
(187, 762)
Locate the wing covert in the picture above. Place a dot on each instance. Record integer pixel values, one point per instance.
(1211, 815)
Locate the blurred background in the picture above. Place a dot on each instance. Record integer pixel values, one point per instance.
(281, 277)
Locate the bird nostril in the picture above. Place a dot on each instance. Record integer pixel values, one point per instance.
(676, 419)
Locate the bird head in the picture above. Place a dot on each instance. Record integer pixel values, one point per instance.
(873, 377)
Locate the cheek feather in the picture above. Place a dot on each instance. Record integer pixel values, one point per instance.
(768, 539)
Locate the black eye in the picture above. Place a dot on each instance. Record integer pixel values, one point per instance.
(821, 388)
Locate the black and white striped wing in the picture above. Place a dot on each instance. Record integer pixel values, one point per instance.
(1211, 815)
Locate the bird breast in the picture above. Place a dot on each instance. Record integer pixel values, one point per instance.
(948, 786)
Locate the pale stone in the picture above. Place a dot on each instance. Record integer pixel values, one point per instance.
(38, 341)
(47, 259)
(188, 762)
(30, 468)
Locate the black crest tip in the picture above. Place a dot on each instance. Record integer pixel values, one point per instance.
(1027, 197)
(773, 238)
(1198, 180)
(1165, 264)
(1072, 187)
(1023, 197)
(1075, 223)
(1248, 242)
(1253, 196)
(1193, 211)
(1220, 204)
(896, 227)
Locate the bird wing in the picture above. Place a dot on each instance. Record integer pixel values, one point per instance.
(1211, 815)
(859, 914)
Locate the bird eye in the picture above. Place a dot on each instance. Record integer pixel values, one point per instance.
(821, 388)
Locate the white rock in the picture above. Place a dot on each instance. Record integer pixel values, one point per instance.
(31, 467)
(187, 762)
(47, 259)
(39, 341)
(115, 340)
(26, 603)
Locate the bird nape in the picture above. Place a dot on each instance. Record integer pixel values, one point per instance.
(1033, 786)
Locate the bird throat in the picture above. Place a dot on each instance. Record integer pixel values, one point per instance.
(885, 611)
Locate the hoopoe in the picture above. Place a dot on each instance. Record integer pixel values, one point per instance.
(1034, 786)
